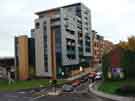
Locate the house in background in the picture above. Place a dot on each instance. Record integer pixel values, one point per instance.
(113, 67)
(6, 64)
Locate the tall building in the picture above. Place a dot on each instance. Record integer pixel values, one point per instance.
(24, 57)
(63, 40)
(100, 47)
(97, 48)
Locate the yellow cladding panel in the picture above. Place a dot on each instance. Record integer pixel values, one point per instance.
(23, 57)
(53, 55)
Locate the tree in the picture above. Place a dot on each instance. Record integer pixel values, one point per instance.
(129, 45)
(123, 44)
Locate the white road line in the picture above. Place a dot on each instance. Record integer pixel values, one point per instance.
(17, 96)
(38, 97)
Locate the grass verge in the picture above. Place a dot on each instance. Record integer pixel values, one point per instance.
(111, 86)
(17, 85)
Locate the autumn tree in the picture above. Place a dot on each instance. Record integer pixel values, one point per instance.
(130, 44)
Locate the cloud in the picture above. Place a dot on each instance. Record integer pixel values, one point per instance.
(114, 19)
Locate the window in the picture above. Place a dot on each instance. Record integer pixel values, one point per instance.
(45, 50)
(46, 63)
(70, 48)
(37, 25)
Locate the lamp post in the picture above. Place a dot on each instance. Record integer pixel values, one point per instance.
(81, 69)
(62, 73)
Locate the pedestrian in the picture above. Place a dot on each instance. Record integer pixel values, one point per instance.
(11, 77)
(93, 79)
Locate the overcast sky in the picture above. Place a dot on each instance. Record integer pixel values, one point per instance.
(114, 19)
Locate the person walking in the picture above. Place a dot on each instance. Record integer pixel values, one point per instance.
(11, 77)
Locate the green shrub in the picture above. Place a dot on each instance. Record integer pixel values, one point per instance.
(126, 90)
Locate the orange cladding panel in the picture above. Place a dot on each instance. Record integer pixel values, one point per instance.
(23, 58)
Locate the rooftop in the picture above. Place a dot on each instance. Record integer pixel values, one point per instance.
(53, 9)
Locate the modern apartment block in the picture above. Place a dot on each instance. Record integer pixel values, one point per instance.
(63, 40)
(24, 57)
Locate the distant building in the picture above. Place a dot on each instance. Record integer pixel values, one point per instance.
(107, 46)
(63, 40)
(100, 47)
(113, 64)
(6, 63)
(24, 57)
(98, 41)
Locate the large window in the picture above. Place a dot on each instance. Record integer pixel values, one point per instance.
(45, 50)
(87, 43)
(37, 25)
(71, 48)
(56, 30)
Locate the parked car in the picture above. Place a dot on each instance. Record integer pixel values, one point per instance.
(76, 83)
(91, 76)
(99, 73)
(98, 76)
(67, 88)
(84, 79)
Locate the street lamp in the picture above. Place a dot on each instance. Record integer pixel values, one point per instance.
(81, 69)
(62, 73)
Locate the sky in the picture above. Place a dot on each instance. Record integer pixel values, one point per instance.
(113, 19)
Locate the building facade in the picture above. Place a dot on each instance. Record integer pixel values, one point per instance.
(107, 46)
(63, 40)
(6, 64)
(24, 57)
(97, 48)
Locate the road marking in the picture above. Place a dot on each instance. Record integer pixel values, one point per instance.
(16, 96)
(38, 97)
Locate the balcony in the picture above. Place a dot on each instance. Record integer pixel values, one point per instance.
(55, 16)
(56, 23)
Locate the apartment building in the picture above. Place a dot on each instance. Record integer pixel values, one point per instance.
(100, 47)
(98, 42)
(63, 40)
(107, 46)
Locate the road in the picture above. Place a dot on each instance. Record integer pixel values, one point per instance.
(80, 93)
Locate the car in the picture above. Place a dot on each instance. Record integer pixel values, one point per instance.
(99, 73)
(91, 76)
(84, 79)
(67, 88)
(98, 76)
(76, 83)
